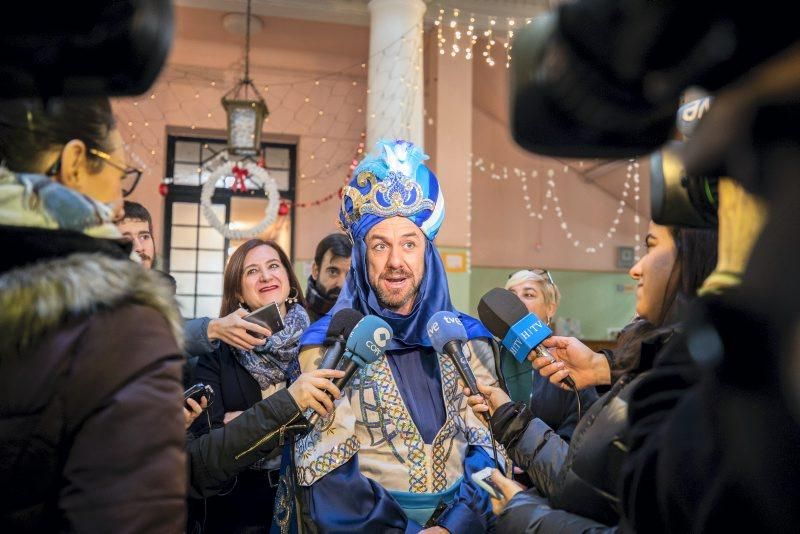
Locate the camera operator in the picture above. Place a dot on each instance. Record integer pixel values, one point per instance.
(714, 427)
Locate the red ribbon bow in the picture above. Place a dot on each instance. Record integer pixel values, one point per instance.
(239, 175)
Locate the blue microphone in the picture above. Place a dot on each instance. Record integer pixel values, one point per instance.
(365, 344)
(447, 333)
(520, 330)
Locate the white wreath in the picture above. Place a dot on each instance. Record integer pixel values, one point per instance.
(257, 175)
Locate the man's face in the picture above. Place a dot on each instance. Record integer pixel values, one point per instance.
(137, 231)
(331, 274)
(396, 262)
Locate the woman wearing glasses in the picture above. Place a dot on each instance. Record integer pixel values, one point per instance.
(556, 407)
(90, 364)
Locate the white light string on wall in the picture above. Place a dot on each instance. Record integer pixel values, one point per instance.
(328, 110)
(500, 173)
(458, 32)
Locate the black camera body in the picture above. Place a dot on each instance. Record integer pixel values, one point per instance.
(198, 391)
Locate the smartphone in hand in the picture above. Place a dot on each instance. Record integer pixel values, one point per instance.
(197, 392)
(268, 316)
(483, 478)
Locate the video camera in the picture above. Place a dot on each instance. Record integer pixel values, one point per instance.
(94, 48)
(603, 78)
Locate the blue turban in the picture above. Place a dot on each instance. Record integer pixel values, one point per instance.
(394, 182)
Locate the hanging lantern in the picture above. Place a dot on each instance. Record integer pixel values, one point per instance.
(246, 112)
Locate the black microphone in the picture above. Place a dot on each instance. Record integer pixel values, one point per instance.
(342, 323)
(447, 333)
(517, 329)
(365, 344)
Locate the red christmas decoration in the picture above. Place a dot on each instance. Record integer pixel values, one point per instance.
(163, 189)
(283, 209)
(239, 176)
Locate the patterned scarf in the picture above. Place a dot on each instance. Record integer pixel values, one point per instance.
(317, 302)
(276, 360)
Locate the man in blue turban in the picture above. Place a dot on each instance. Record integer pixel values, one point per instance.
(401, 442)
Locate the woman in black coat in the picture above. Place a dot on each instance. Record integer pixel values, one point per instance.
(575, 484)
(257, 274)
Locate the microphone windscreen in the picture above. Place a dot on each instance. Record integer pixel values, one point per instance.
(343, 322)
(368, 339)
(444, 327)
(499, 309)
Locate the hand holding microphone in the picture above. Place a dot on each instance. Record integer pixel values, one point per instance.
(365, 344)
(447, 334)
(586, 367)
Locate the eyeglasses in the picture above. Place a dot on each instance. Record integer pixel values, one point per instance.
(540, 272)
(130, 177)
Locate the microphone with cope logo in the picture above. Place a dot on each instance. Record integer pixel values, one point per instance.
(365, 344)
(447, 333)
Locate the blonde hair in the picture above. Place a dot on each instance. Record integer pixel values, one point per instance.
(549, 290)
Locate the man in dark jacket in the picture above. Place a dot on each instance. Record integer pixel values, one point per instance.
(331, 263)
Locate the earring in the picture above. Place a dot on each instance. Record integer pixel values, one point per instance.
(292, 299)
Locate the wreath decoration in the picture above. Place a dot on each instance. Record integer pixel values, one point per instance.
(257, 175)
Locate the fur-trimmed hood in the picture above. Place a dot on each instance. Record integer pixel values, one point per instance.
(36, 300)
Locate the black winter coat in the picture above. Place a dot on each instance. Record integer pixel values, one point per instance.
(218, 456)
(91, 430)
(580, 477)
(244, 501)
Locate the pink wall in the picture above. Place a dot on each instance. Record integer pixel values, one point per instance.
(289, 56)
(503, 233)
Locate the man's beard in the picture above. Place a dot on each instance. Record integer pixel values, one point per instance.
(145, 257)
(393, 300)
(331, 294)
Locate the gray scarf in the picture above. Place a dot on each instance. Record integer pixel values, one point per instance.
(276, 360)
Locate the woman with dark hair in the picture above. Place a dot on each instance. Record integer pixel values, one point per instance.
(89, 361)
(575, 484)
(257, 274)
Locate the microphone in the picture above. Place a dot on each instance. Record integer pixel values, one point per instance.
(342, 324)
(365, 344)
(519, 330)
(447, 333)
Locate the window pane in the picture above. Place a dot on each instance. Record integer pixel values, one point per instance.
(186, 174)
(210, 260)
(210, 238)
(185, 237)
(186, 305)
(185, 282)
(182, 260)
(277, 158)
(187, 151)
(184, 213)
(219, 209)
(281, 178)
(209, 284)
(208, 306)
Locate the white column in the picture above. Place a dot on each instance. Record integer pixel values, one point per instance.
(396, 99)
